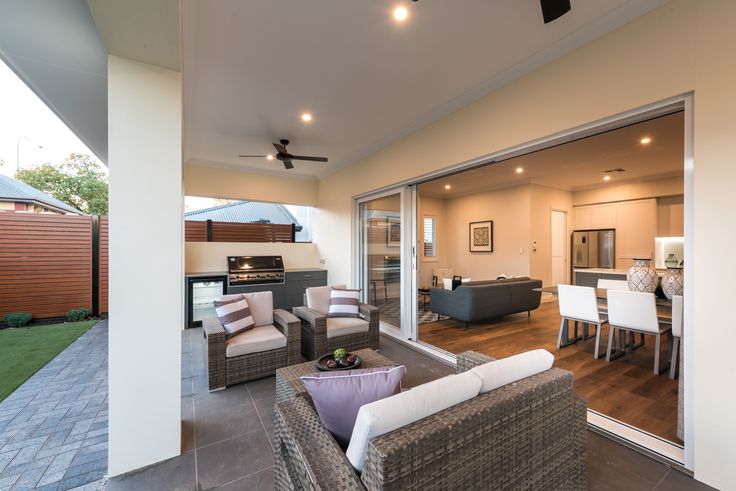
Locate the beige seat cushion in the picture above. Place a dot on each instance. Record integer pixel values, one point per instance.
(256, 340)
(342, 326)
(318, 298)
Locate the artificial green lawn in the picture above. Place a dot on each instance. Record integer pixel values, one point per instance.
(25, 350)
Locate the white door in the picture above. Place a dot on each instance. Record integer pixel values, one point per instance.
(559, 247)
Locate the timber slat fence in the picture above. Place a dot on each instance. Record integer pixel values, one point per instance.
(50, 264)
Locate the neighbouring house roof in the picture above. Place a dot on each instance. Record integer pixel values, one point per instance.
(246, 212)
(20, 192)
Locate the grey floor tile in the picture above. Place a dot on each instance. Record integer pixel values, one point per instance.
(176, 474)
(215, 465)
(264, 388)
(260, 481)
(679, 481)
(214, 423)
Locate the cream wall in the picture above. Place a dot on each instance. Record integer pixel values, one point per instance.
(543, 201)
(210, 257)
(683, 46)
(218, 182)
(670, 186)
(509, 210)
(146, 264)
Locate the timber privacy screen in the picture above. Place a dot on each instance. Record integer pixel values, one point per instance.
(50, 264)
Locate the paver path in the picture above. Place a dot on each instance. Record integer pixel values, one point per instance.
(53, 428)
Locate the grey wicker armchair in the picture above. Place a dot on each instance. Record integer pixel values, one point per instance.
(319, 337)
(530, 434)
(224, 370)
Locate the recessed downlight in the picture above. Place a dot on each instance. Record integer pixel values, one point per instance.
(646, 140)
(447, 186)
(519, 170)
(307, 117)
(269, 157)
(606, 178)
(400, 14)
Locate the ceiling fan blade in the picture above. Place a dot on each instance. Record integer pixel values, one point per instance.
(280, 148)
(258, 156)
(288, 164)
(311, 159)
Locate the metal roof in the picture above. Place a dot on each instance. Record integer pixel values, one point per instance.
(246, 212)
(15, 190)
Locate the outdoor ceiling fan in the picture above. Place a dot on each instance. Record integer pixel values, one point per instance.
(284, 156)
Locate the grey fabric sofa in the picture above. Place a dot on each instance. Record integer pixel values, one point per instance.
(530, 434)
(480, 300)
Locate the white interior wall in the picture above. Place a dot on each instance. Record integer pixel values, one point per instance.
(681, 47)
(543, 201)
(146, 264)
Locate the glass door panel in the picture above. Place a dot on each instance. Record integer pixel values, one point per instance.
(380, 256)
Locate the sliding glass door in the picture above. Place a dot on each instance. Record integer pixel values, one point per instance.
(380, 262)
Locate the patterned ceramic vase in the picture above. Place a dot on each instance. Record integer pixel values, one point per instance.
(642, 277)
(673, 282)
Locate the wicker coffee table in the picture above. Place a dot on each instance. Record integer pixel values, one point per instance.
(289, 385)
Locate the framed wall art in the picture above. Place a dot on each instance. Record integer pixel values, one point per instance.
(481, 236)
(393, 232)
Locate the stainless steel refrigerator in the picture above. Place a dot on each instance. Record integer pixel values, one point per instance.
(594, 249)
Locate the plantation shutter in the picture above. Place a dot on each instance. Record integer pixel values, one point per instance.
(430, 237)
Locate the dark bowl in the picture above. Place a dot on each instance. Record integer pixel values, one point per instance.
(321, 363)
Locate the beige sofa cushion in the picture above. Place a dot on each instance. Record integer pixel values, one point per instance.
(342, 326)
(318, 298)
(513, 368)
(261, 307)
(381, 417)
(256, 340)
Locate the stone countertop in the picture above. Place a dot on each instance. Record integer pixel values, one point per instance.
(600, 271)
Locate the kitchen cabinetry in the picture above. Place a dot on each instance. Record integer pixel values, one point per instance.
(595, 216)
(636, 227)
(289, 294)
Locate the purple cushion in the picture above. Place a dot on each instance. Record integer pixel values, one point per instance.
(337, 396)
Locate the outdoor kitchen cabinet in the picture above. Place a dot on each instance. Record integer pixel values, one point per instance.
(297, 281)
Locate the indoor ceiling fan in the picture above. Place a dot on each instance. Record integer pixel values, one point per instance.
(284, 156)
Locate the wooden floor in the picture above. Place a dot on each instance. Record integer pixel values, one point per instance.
(625, 389)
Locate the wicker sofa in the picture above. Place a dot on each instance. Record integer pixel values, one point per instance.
(530, 434)
(317, 337)
(224, 370)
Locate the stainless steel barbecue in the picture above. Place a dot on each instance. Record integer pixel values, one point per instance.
(254, 270)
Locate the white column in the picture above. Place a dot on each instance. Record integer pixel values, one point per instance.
(146, 257)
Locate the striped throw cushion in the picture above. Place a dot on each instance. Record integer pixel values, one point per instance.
(344, 303)
(234, 315)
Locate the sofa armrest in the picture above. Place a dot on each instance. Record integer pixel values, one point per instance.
(215, 353)
(291, 327)
(317, 320)
(372, 315)
(307, 456)
(470, 359)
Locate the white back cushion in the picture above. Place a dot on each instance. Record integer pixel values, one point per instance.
(318, 298)
(381, 417)
(261, 307)
(507, 370)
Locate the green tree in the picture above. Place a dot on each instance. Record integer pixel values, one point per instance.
(79, 182)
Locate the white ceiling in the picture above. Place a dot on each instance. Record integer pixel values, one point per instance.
(581, 164)
(251, 67)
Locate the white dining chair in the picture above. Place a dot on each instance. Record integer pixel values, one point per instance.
(578, 304)
(621, 285)
(613, 284)
(677, 316)
(636, 312)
